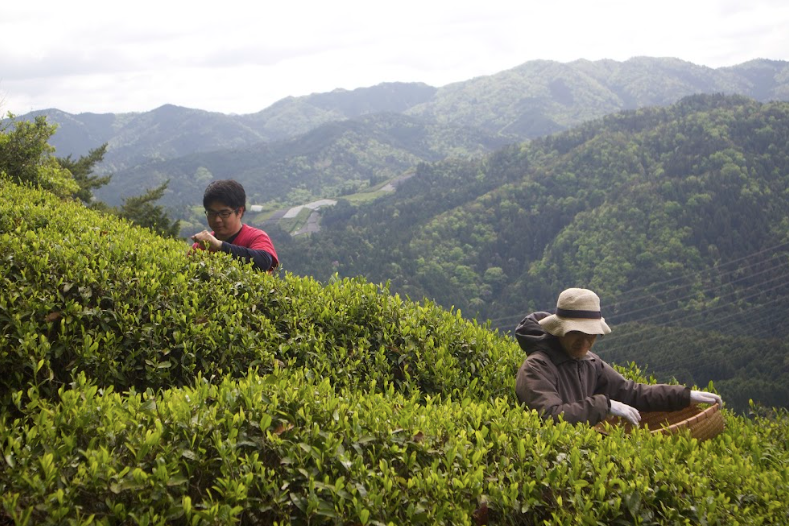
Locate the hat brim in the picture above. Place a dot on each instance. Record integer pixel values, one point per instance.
(559, 326)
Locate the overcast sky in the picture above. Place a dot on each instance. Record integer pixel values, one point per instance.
(241, 56)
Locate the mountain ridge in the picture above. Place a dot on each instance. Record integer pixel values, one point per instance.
(338, 157)
(276, 121)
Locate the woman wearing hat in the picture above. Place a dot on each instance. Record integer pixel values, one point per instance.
(561, 376)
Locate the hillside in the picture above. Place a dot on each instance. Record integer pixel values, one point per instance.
(145, 386)
(543, 97)
(529, 101)
(334, 159)
(171, 131)
(658, 200)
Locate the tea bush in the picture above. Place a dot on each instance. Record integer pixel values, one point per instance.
(91, 293)
(142, 385)
(285, 448)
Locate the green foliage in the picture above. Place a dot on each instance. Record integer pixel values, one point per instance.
(131, 310)
(285, 448)
(632, 202)
(143, 385)
(82, 170)
(141, 211)
(26, 156)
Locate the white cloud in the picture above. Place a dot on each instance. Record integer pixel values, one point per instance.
(241, 56)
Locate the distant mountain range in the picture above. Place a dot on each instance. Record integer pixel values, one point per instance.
(172, 131)
(267, 148)
(334, 159)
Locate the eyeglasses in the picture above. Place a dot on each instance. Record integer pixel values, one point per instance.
(224, 214)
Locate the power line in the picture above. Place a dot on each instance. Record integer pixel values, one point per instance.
(694, 294)
(496, 322)
(738, 296)
(688, 359)
(690, 274)
(706, 313)
(741, 324)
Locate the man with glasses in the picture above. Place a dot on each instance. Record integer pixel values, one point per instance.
(225, 203)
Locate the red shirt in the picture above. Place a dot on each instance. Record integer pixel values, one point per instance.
(250, 238)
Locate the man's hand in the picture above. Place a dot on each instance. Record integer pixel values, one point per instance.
(625, 411)
(701, 397)
(206, 239)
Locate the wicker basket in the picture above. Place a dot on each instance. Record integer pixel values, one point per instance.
(704, 423)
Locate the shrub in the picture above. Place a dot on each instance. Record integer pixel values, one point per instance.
(89, 293)
(145, 386)
(285, 448)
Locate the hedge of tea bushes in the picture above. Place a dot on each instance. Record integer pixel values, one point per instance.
(286, 448)
(83, 292)
(141, 385)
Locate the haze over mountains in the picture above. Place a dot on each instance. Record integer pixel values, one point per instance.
(531, 100)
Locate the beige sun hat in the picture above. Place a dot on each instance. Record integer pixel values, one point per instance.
(576, 310)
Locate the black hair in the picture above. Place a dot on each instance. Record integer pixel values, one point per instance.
(226, 191)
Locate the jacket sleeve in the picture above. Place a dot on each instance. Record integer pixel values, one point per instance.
(253, 245)
(658, 397)
(536, 386)
(261, 259)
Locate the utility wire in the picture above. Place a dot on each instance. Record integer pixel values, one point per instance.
(707, 290)
(738, 296)
(714, 349)
(741, 295)
(705, 313)
(639, 290)
(496, 322)
(716, 321)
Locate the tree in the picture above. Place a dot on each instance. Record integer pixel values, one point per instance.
(82, 169)
(141, 211)
(26, 156)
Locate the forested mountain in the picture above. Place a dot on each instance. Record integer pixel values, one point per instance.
(542, 97)
(334, 159)
(655, 200)
(172, 131)
(618, 201)
(531, 100)
(293, 116)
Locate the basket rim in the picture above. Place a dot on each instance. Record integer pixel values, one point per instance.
(703, 423)
(691, 421)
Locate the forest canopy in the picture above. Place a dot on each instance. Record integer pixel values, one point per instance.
(669, 207)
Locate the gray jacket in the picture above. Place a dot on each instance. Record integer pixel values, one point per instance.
(554, 383)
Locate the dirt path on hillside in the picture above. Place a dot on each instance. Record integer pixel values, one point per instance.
(312, 226)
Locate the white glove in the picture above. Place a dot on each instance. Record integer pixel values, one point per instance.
(625, 411)
(701, 397)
